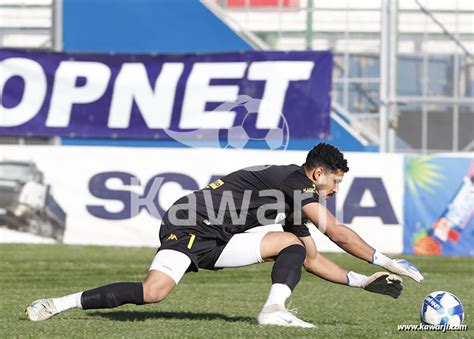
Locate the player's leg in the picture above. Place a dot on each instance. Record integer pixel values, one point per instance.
(165, 272)
(289, 254)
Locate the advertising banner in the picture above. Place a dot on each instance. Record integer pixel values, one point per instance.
(116, 196)
(439, 206)
(165, 97)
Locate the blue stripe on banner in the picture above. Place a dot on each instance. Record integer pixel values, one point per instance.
(296, 145)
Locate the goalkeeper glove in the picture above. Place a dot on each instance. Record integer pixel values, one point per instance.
(398, 266)
(384, 283)
(380, 282)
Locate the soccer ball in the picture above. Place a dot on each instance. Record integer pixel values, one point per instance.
(442, 308)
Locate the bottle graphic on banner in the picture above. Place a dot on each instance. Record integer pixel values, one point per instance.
(451, 223)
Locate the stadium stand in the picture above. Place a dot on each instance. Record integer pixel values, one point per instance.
(428, 48)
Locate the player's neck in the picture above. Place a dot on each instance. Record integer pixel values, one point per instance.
(308, 172)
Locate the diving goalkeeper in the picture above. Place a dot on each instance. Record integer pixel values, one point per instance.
(215, 228)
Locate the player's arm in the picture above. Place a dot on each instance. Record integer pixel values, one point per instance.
(319, 265)
(353, 244)
(340, 234)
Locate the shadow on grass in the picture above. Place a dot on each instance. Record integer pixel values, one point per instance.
(337, 323)
(141, 316)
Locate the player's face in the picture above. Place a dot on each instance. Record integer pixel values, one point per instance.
(327, 182)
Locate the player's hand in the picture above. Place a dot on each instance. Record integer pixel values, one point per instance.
(384, 283)
(404, 267)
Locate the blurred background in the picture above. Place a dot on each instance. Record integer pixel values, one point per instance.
(389, 82)
(111, 110)
(403, 72)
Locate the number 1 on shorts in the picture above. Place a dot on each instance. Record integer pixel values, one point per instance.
(191, 241)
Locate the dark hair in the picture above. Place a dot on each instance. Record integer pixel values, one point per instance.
(326, 156)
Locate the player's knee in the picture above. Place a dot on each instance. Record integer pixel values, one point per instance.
(153, 294)
(289, 239)
(275, 242)
(156, 287)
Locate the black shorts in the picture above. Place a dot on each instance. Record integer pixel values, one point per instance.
(203, 250)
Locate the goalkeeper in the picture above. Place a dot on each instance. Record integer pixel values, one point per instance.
(215, 228)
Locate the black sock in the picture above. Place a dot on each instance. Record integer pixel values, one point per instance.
(287, 268)
(113, 295)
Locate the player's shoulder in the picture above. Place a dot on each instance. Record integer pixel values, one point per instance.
(283, 173)
(267, 176)
(285, 170)
(297, 177)
(296, 172)
(266, 170)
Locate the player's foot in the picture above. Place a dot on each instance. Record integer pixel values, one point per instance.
(280, 316)
(41, 309)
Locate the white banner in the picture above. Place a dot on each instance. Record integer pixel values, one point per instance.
(95, 187)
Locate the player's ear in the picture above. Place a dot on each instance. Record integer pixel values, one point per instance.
(319, 171)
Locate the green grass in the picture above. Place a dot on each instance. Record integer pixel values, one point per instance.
(211, 304)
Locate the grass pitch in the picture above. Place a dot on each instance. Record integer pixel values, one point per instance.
(212, 304)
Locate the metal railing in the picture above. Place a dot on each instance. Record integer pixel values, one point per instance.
(35, 24)
(432, 108)
(28, 24)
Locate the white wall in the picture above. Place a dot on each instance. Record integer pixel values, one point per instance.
(69, 169)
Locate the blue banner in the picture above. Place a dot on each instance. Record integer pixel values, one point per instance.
(232, 96)
(439, 206)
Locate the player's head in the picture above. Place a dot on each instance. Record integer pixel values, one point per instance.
(325, 166)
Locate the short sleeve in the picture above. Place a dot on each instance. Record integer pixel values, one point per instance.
(298, 230)
(298, 191)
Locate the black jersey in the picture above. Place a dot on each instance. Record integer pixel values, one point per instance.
(246, 199)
